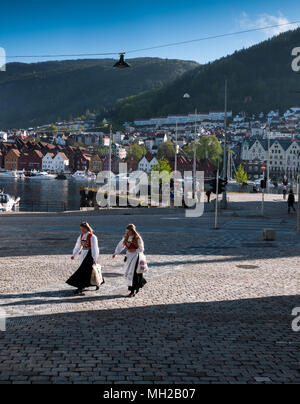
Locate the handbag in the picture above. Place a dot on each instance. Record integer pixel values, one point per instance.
(96, 276)
(143, 266)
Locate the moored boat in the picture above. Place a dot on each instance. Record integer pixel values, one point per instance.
(84, 176)
(8, 174)
(7, 202)
(41, 175)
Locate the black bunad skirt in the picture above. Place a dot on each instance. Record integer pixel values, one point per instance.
(82, 277)
(138, 280)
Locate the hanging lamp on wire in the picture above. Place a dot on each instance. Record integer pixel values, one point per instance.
(121, 64)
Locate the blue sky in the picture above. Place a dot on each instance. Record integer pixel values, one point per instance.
(90, 26)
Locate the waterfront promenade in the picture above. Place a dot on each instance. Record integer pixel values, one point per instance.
(217, 307)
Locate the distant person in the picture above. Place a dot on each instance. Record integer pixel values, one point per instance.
(208, 195)
(88, 249)
(284, 193)
(291, 201)
(172, 196)
(134, 245)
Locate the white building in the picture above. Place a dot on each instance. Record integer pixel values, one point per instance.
(147, 162)
(60, 163)
(22, 132)
(219, 115)
(3, 137)
(120, 152)
(160, 139)
(257, 131)
(149, 143)
(291, 112)
(47, 162)
(118, 137)
(272, 116)
(60, 139)
(284, 155)
(105, 141)
(238, 118)
(182, 120)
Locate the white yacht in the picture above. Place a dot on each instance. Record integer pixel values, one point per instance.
(8, 174)
(41, 175)
(84, 176)
(79, 175)
(20, 175)
(7, 202)
(91, 176)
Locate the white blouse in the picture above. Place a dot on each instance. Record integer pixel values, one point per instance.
(94, 247)
(120, 247)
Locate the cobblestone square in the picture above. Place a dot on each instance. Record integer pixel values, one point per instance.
(217, 307)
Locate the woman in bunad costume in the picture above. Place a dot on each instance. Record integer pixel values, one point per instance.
(134, 245)
(88, 249)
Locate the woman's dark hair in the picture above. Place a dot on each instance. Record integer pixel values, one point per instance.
(85, 225)
(136, 235)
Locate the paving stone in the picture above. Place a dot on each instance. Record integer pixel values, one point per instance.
(200, 319)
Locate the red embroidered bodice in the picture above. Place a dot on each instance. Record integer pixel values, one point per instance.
(132, 247)
(86, 244)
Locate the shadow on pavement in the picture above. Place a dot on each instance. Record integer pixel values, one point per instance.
(243, 341)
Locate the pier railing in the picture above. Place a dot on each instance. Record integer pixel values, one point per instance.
(40, 206)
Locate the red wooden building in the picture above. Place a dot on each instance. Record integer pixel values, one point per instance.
(31, 160)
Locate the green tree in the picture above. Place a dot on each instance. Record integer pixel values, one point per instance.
(104, 126)
(241, 176)
(166, 150)
(52, 129)
(102, 151)
(78, 144)
(136, 151)
(208, 148)
(164, 167)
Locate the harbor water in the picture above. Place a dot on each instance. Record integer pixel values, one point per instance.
(44, 195)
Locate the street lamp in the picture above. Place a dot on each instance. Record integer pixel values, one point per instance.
(109, 178)
(187, 96)
(109, 185)
(176, 141)
(121, 64)
(224, 200)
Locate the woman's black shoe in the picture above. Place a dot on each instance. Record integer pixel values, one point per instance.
(130, 295)
(79, 292)
(98, 287)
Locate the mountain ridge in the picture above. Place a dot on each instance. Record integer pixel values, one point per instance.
(44, 92)
(260, 78)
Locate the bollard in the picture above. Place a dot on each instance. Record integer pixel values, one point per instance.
(269, 234)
